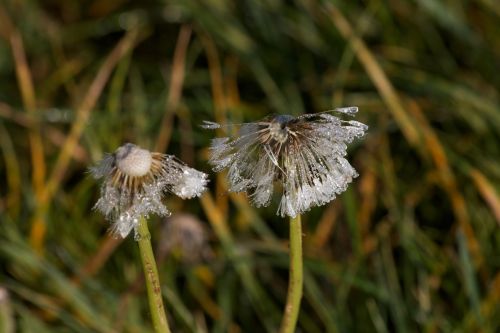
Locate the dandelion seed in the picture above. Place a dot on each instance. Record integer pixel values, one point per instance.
(210, 125)
(135, 181)
(305, 155)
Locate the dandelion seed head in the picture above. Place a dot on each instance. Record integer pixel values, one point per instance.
(135, 181)
(305, 154)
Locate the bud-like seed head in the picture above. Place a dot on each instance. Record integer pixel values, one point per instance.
(135, 181)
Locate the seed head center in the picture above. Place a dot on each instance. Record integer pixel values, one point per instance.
(133, 161)
(278, 129)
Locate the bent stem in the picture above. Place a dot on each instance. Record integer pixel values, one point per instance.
(295, 281)
(153, 286)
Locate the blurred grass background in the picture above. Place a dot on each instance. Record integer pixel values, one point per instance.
(412, 246)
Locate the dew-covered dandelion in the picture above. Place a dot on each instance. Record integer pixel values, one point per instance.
(305, 155)
(135, 181)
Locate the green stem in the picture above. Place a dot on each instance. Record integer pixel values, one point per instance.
(295, 282)
(152, 280)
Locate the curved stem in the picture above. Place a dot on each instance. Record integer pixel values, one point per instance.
(295, 282)
(152, 280)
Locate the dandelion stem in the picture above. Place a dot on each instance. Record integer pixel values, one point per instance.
(152, 279)
(295, 281)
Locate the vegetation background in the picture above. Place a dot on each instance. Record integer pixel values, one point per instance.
(412, 246)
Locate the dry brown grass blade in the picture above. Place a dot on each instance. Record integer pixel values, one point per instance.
(6, 27)
(204, 298)
(23, 72)
(487, 191)
(215, 217)
(247, 212)
(376, 74)
(12, 167)
(368, 189)
(38, 230)
(54, 135)
(22, 119)
(493, 299)
(26, 86)
(368, 192)
(215, 70)
(219, 101)
(326, 225)
(29, 101)
(448, 181)
(175, 91)
(231, 82)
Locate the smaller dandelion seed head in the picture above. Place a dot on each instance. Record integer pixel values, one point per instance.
(135, 181)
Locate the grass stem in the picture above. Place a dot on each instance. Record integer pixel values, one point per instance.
(296, 278)
(152, 279)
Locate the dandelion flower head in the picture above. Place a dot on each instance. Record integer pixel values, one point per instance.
(135, 181)
(305, 155)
